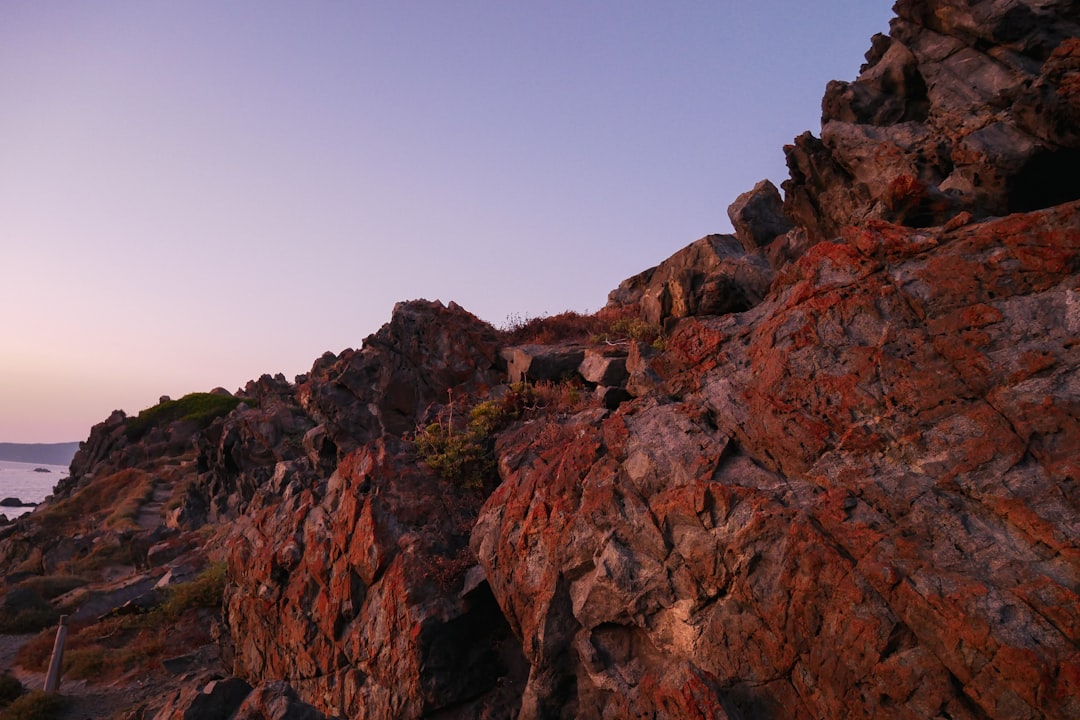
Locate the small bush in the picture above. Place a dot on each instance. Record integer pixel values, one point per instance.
(84, 662)
(205, 591)
(35, 654)
(465, 454)
(201, 408)
(125, 511)
(36, 705)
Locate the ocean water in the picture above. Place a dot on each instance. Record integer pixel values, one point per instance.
(19, 480)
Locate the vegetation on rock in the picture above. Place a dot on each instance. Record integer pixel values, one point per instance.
(199, 408)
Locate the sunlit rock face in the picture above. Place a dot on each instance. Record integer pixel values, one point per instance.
(857, 500)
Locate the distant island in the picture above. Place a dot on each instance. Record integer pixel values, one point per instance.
(39, 453)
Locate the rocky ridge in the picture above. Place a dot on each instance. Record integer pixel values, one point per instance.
(823, 467)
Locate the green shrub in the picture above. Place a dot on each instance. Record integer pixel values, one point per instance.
(200, 408)
(465, 455)
(36, 705)
(205, 591)
(84, 662)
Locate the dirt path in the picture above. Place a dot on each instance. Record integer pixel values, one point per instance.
(84, 701)
(150, 514)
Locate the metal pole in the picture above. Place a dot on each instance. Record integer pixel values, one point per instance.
(52, 678)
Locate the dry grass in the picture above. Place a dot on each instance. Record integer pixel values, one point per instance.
(569, 326)
(113, 500)
(607, 325)
(108, 649)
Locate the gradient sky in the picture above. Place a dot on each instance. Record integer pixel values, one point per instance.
(195, 193)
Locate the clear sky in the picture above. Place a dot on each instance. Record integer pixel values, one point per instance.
(195, 193)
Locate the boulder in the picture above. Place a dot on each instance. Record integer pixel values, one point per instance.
(542, 363)
(758, 216)
(603, 366)
(711, 276)
(217, 699)
(276, 701)
(426, 352)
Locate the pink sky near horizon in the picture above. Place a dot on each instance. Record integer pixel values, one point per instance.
(194, 194)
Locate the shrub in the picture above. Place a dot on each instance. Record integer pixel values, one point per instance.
(125, 511)
(84, 662)
(465, 455)
(205, 591)
(36, 705)
(201, 408)
(35, 654)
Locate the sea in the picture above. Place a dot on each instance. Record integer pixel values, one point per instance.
(27, 483)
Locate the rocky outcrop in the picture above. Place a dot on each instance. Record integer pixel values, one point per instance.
(355, 593)
(712, 276)
(425, 352)
(861, 502)
(965, 106)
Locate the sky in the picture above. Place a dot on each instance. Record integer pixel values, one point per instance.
(195, 193)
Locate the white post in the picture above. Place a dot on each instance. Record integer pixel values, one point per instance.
(52, 678)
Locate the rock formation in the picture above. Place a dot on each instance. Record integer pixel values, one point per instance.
(965, 106)
(826, 466)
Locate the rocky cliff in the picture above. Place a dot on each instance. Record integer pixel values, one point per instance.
(824, 467)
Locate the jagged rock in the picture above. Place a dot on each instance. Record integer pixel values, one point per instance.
(542, 363)
(964, 107)
(424, 352)
(758, 216)
(641, 378)
(239, 453)
(711, 276)
(844, 485)
(350, 592)
(612, 397)
(863, 505)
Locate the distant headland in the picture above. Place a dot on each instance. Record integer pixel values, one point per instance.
(39, 453)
